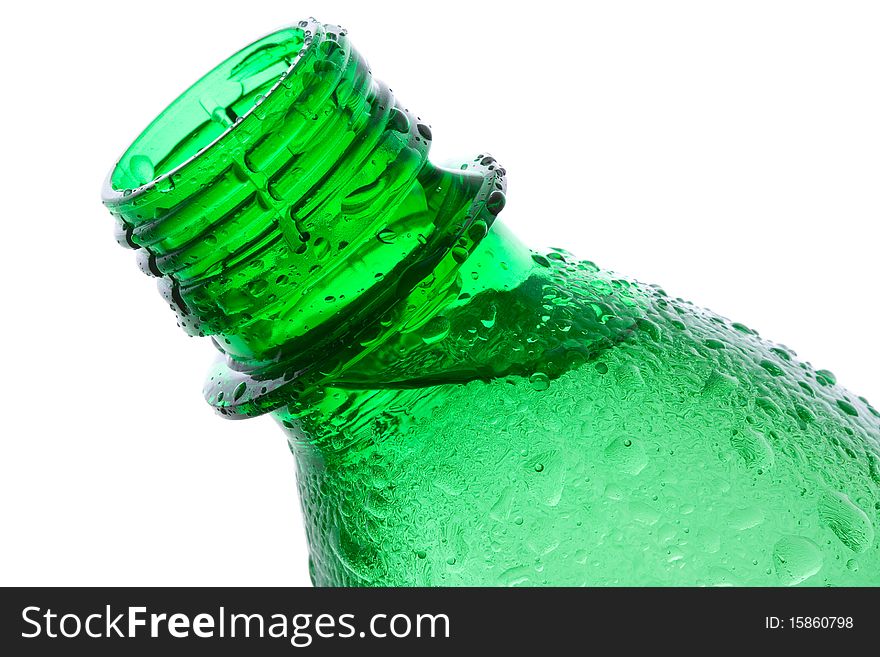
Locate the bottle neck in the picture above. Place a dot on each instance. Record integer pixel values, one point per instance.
(458, 327)
(286, 203)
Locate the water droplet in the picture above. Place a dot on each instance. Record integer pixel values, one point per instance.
(626, 455)
(435, 330)
(495, 202)
(848, 522)
(847, 408)
(825, 377)
(588, 266)
(772, 368)
(539, 467)
(804, 413)
(796, 559)
(460, 254)
(321, 248)
(541, 260)
(398, 121)
(256, 287)
(386, 236)
(720, 385)
(424, 131)
(613, 492)
(746, 518)
(141, 167)
(753, 447)
(539, 381)
(488, 320)
(239, 391)
(628, 375)
(478, 230)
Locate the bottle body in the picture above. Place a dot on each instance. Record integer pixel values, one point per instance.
(682, 450)
(464, 411)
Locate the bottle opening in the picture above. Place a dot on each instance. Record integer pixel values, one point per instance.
(206, 112)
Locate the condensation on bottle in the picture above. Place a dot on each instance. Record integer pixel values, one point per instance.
(464, 410)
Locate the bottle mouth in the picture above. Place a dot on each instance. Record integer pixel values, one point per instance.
(202, 118)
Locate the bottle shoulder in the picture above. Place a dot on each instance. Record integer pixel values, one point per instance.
(571, 331)
(690, 435)
(558, 314)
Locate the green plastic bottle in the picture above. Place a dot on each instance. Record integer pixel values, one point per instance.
(463, 410)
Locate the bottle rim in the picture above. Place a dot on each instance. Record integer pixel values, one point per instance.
(112, 194)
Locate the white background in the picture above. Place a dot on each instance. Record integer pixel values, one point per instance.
(729, 151)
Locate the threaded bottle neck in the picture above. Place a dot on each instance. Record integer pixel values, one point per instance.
(287, 197)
